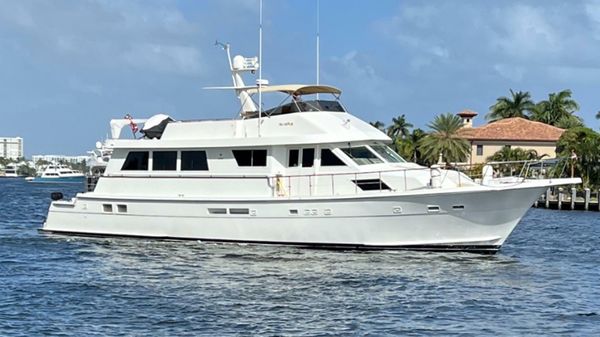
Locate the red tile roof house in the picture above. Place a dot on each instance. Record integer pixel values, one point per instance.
(514, 132)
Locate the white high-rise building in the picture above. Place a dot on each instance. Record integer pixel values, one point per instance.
(11, 147)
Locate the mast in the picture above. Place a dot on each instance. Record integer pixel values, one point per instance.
(239, 64)
(318, 43)
(260, 68)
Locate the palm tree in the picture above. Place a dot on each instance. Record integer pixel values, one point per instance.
(558, 106)
(378, 125)
(444, 140)
(513, 154)
(584, 143)
(508, 154)
(518, 105)
(569, 122)
(399, 128)
(408, 147)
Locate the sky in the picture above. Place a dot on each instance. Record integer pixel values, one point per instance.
(69, 66)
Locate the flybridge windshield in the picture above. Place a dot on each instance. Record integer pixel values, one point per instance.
(373, 154)
(362, 155)
(303, 106)
(388, 154)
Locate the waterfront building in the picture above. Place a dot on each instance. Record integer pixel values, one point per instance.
(11, 147)
(512, 132)
(54, 158)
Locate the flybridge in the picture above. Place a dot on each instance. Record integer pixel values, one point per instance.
(294, 101)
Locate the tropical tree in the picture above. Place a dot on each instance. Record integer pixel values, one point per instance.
(5, 161)
(518, 105)
(399, 128)
(509, 154)
(579, 147)
(25, 170)
(443, 139)
(569, 122)
(408, 147)
(378, 125)
(558, 107)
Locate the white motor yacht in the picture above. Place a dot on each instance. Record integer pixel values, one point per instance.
(10, 171)
(58, 173)
(305, 173)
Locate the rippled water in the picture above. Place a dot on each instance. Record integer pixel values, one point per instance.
(545, 280)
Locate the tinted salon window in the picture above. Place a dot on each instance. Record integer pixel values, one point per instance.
(328, 158)
(193, 161)
(164, 160)
(136, 161)
(250, 157)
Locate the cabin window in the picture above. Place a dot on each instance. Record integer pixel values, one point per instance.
(194, 161)
(293, 157)
(136, 161)
(250, 157)
(388, 154)
(362, 155)
(308, 157)
(328, 158)
(164, 160)
(480, 150)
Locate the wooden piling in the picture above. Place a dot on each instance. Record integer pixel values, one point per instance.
(560, 196)
(573, 197)
(586, 201)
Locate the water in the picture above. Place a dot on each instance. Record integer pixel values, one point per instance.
(544, 281)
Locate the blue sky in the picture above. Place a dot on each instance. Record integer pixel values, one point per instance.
(68, 67)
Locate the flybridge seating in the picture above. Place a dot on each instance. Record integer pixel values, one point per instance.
(301, 106)
(296, 102)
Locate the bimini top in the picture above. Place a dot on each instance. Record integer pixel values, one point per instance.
(296, 89)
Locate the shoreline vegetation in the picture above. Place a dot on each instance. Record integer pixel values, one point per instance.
(27, 168)
(577, 150)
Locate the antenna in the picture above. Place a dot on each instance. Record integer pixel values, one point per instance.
(318, 43)
(239, 65)
(226, 47)
(260, 80)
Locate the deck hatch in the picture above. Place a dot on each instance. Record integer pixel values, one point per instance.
(371, 184)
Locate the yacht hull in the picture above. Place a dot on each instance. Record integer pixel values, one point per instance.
(58, 180)
(473, 220)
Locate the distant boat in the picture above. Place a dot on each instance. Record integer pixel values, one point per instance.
(98, 159)
(10, 171)
(56, 173)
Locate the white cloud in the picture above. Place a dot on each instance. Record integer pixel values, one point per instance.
(592, 10)
(511, 72)
(179, 59)
(153, 36)
(526, 32)
(361, 76)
